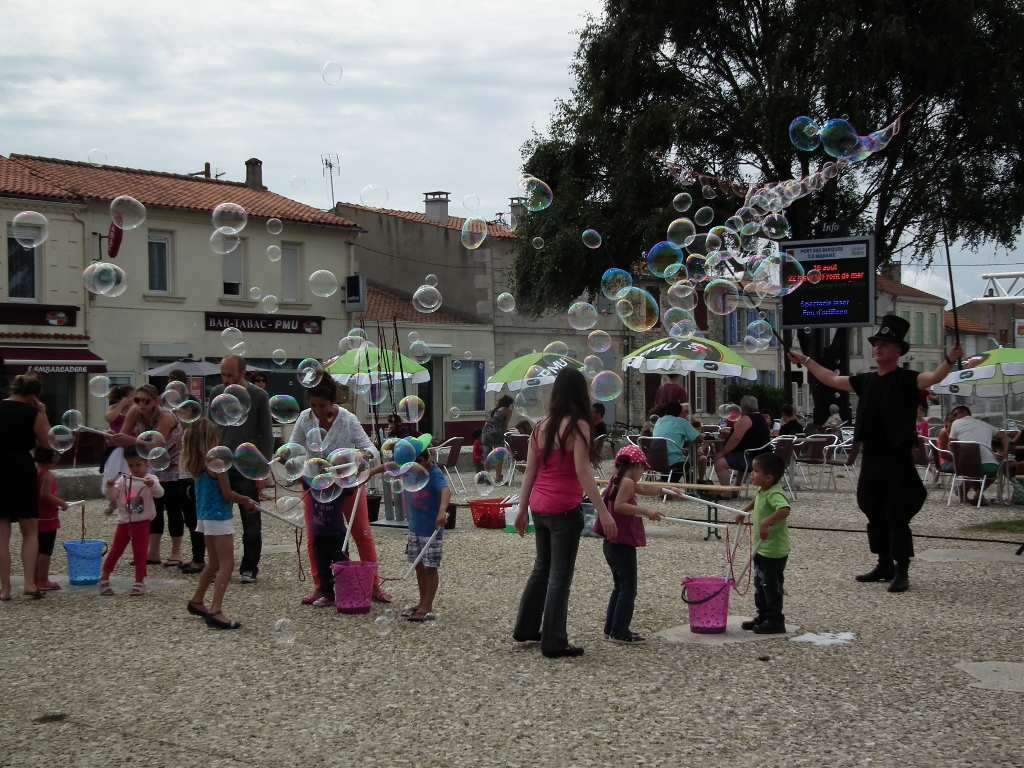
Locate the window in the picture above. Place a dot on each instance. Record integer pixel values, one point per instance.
(290, 272)
(933, 329)
(159, 263)
(906, 316)
(732, 330)
(919, 327)
(772, 342)
(467, 382)
(234, 271)
(22, 272)
(121, 379)
(698, 401)
(919, 367)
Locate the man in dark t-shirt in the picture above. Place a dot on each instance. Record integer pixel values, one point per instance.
(889, 491)
(671, 391)
(790, 425)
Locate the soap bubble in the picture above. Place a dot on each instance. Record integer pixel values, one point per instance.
(430, 279)
(284, 631)
(556, 348)
(704, 216)
(249, 462)
(471, 202)
(171, 399)
(373, 196)
(360, 383)
(316, 470)
(681, 232)
(679, 323)
(506, 302)
(708, 191)
(494, 465)
(255, 293)
(231, 337)
(97, 157)
(220, 459)
(682, 202)
(60, 438)
(413, 336)
(226, 411)
(120, 283)
(309, 372)
(420, 352)
(411, 409)
(760, 330)
(241, 394)
(279, 356)
(414, 477)
(270, 304)
(474, 232)
(792, 275)
(331, 73)
(537, 194)
(623, 308)
(813, 276)
(298, 182)
(159, 459)
(599, 341)
(839, 138)
(775, 226)
(613, 281)
(99, 277)
(274, 253)
(606, 386)
(456, 365)
(99, 386)
(127, 213)
(643, 310)
(290, 508)
(223, 242)
(189, 412)
(538, 242)
(427, 299)
(291, 458)
(592, 365)
(582, 315)
(721, 296)
(72, 419)
(664, 259)
(149, 440)
(591, 239)
(323, 283)
(238, 349)
(230, 218)
(274, 226)
(30, 229)
(682, 296)
(751, 295)
(805, 134)
(696, 267)
(454, 412)
(382, 624)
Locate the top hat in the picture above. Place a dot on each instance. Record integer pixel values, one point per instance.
(894, 329)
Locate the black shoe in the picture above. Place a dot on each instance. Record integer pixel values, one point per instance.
(194, 610)
(631, 639)
(901, 581)
(213, 621)
(570, 650)
(884, 571)
(770, 628)
(754, 622)
(526, 638)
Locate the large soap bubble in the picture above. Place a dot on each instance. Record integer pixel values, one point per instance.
(613, 281)
(582, 315)
(100, 277)
(30, 229)
(681, 232)
(704, 216)
(682, 296)
(474, 232)
(189, 412)
(599, 341)
(127, 213)
(535, 193)
(606, 386)
(426, 299)
(274, 226)
(506, 302)
(721, 297)
(231, 337)
(249, 462)
(679, 323)
(230, 218)
(222, 242)
(309, 372)
(323, 283)
(60, 438)
(414, 477)
(420, 352)
(149, 441)
(226, 411)
(805, 134)
(241, 394)
(220, 459)
(374, 196)
(291, 459)
(643, 309)
(159, 459)
(664, 259)
(494, 465)
(411, 409)
(99, 386)
(839, 138)
(591, 238)
(682, 202)
(331, 73)
(72, 419)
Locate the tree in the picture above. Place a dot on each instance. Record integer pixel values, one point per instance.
(716, 84)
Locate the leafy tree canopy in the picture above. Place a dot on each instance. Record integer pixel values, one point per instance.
(715, 85)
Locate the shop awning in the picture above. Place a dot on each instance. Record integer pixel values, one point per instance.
(51, 360)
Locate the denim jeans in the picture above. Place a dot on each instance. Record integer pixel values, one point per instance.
(768, 582)
(544, 606)
(252, 524)
(622, 560)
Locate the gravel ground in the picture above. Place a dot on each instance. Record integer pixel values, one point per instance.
(111, 681)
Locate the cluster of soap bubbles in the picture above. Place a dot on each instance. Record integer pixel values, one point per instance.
(233, 340)
(229, 219)
(427, 298)
(105, 279)
(840, 139)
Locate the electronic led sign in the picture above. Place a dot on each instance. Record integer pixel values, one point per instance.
(844, 297)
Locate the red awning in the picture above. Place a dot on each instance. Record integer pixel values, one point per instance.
(51, 360)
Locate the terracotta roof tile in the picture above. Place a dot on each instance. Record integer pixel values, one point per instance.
(454, 222)
(966, 326)
(899, 289)
(171, 190)
(18, 180)
(382, 306)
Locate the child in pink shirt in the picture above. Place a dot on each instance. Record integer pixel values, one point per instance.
(49, 510)
(133, 494)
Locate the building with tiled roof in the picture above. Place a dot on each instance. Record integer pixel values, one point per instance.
(385, 307)
(964, 325)
(1001, 319)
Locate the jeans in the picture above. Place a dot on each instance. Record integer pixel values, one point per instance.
(327, 550)
(621, 559)
(769, 578)
(545, 598)
(188, 511)
(252, 525)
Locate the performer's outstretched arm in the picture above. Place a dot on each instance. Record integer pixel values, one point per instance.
(930, 379)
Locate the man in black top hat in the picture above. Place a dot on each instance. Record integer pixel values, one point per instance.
(890, 491)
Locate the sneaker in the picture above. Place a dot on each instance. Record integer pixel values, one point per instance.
(770, 628)
(749, 625)
(323, 602)
(246, 578)
(631, 639)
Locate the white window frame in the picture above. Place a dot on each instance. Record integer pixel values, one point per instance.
(37, 288)
(117, 378)
(451, 384)
(167, 239)
(698, 395)
(287, 249)
(237, 255)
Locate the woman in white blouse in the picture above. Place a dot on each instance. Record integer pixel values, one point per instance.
(343, 431)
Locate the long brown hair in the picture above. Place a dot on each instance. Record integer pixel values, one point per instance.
(570, 398)
(200, 437)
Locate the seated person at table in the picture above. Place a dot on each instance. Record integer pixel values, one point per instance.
(597, 411)
(791, 425)
(967, 428)
(942, 440)
(922, 425)
(834, 420)
(652, 418)
(749, 432)
(680, 432)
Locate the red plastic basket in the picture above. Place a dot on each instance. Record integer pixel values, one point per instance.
(489, 513)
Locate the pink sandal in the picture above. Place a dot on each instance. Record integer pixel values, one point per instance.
(105, 588)
(381, 596)
(138, 589)
(49, 586)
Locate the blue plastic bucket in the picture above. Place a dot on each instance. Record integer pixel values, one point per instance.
(84, 560)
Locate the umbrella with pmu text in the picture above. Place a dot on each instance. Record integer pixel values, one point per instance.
(697, 355)
(541, 366)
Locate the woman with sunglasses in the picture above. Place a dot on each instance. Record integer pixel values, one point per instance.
(146, 415)
(259, 380)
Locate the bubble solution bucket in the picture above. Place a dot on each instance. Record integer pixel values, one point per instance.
(708, 600)
(84, 561)
(353, 585)
(510, 520)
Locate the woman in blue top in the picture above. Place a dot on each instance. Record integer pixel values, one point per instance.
(214, 498)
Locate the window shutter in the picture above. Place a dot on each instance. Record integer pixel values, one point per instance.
(233, 272)
(289, 273)
(771, 321)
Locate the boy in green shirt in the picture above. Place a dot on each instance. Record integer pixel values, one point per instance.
(771, 508)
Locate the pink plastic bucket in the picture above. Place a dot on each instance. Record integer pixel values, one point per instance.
(708, 600)
(353, 585)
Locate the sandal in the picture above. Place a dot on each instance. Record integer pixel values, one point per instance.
(409, 612)
(176, 563)
(105, 588)
(190, 569)
(138, 589)
(148, 562)
(35, 595)
(420, 616)
(196, 611)
(381, 596)
(323, 602)
(49, 586)
(310, 599)
(213, 621)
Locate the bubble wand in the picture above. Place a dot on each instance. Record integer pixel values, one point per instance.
(423, 551)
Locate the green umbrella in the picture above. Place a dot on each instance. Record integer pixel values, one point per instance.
(378, 363)
(995, 373)
(697, 355)
(512, 374)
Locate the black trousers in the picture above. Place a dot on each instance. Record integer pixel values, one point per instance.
(252, 524)
(890, 493)
(188, 511)
(174, 492)
(327, 550)
(769, 579)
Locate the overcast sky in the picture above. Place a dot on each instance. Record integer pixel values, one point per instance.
(434, 95)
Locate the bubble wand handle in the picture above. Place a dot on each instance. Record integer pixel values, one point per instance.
(696, 522)
(92, 431)
(351, 519)
(422, 553)
(712, 504)
(276, 516)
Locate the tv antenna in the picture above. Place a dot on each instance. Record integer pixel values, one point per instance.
(332, 168)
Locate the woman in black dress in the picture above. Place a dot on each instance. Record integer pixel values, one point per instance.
(22, 423)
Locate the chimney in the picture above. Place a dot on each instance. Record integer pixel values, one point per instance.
(893, 270)
(254, 174)
(436, 206)
(517, 206)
